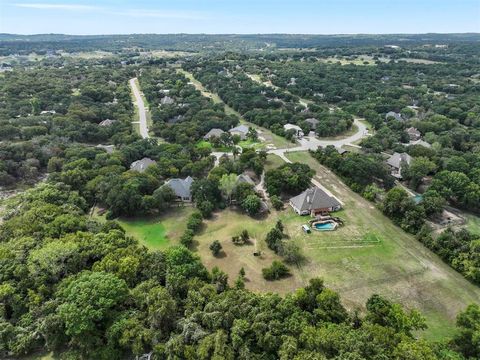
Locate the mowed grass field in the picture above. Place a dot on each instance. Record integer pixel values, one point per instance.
(372, 255)
(157, 232)
(368, 255)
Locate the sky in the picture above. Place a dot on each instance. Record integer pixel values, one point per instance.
(238, 16)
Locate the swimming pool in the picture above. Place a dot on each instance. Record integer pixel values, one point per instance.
(324, 226)
(418, 199)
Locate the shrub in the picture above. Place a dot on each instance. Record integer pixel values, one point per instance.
(215, 247)
(276, 271)
(206, 208)
(277, 203)
(187, 238)
(194, 221)
(274, 239)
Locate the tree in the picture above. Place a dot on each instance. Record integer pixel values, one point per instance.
(215, 247)
(468, 338)
(251, 204)
(88, 303)
(419, 168)
(206, 208)
(187, 238)
(274, 239)
(276, 271)
(277, 203)
(289, 178)
(227, 185)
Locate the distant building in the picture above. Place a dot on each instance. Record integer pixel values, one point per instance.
(142, 165)
(241, 130)
(181, 188)
(108, 148)
(167, 100)
(312, 122)
(244, 178)
(396, 161)
(48, 112)
(213, 133)
(341, 151)
(420, 142)
(107, 122)
(413, 133)
(395, 115)
(298, 130)
(314, 201)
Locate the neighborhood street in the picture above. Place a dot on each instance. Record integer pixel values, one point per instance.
(142, 113)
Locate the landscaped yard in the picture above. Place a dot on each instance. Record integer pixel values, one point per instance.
(372, 255)
(158, 232)
(368, 255)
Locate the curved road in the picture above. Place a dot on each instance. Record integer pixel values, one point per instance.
(142, 112)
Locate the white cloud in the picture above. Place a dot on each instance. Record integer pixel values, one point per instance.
(45, 6)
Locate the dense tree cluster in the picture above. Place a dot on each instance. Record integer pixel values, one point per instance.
(85, 290)
(180, 113)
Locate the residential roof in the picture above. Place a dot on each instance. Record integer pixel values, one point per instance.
(244, 178)
(292, 127)
(213, 132)
(312, 121)
(396, 159)
(340, 150)
(240, 128)
(314, 198)
(107, 122)
(108, 148)
(142, 165)
(394, 114)
(413, 131)
(420, 142)
(167, 100)
(181, 187)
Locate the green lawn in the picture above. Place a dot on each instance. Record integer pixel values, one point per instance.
(158, 232)
(473, 223)
(273, 161)
(372, 255)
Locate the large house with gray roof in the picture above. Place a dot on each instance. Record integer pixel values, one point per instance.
(240, 130)
(142, 165)
(396, 161)
(213, 133)
(314, 201)
(181, 188)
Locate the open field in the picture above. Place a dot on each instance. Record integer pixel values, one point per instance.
(397, 266)
(368, 255)
(158, 232)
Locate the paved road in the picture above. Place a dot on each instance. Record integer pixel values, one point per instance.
(142, 112)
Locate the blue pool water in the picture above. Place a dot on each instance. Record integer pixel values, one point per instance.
(418, 199)
(326, 226)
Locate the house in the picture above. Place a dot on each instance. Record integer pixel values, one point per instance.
(341, 151)
(244, 178)
(396, 161)
(420, 142)
(142, 165)
(167, 100)
(108, 148)
(395, 115)
(107, 122)
(312, 122)
(314, 201)
(176, 119)
(241, 130)
(298, 130)
(181, 188)
(413, 133)
(213, 133)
